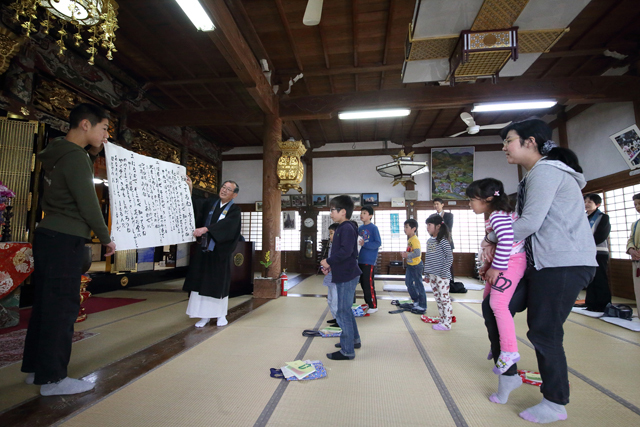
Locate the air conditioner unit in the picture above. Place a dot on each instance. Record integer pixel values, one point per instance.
(411, 195)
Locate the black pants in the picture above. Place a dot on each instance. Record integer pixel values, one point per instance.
(368, 285)
(549, 295)
(598, 293)
(58, 266)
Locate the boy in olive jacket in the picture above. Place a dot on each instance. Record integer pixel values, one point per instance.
(71, 210)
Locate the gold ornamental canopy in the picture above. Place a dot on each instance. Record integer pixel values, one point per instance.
(290, 168)
(96, 17)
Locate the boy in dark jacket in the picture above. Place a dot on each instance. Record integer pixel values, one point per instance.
(343, 264)
(72, 211)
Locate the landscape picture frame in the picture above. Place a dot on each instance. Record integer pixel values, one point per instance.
(370, 199)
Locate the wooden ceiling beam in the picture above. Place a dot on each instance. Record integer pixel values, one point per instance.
(573, 53)
(196, 117)
(577, 90)
(287, 27)
(318, 72)
(354, 21)
(233, 46)
(206, 80)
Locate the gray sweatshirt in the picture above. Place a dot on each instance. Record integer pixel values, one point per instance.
(554, 216)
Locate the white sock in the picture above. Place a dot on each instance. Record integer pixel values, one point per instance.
(30, 378)
(222, 321)
(202, 322)
(545, 412)
(506, 384)
(66, 386)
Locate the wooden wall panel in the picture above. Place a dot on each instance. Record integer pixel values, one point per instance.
(620, 278)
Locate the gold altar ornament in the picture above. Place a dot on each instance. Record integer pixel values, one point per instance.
(9, 47)
(290, 168)
(96, 17)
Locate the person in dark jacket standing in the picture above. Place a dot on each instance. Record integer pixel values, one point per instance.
(343, 264)
(209, 275)
(71, 210)
(598, 293)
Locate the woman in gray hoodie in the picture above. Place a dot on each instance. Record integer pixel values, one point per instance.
(561, 257)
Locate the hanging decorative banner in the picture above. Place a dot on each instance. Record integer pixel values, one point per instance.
(150, 201)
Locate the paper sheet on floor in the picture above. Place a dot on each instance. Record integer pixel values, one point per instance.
(633, 324)
(585, 312)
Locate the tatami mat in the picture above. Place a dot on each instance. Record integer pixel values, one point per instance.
(121, 331)
(405, 374)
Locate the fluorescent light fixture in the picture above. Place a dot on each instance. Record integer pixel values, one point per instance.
(516, 105)
(97, 181)
(373, 114)
(196, 13)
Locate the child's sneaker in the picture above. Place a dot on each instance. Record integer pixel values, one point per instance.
(505, 361)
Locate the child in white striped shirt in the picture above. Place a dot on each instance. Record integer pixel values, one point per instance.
(502, 273)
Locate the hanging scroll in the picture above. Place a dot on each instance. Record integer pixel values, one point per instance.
(150, 201)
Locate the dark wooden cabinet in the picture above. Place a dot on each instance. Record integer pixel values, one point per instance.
(241, 269)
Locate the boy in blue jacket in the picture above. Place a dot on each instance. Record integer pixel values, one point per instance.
(343, 265)
(370, 243)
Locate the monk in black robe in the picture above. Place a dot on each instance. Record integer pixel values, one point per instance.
(209, 275)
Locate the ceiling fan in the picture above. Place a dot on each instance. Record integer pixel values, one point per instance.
(473, 128)
(312, 13)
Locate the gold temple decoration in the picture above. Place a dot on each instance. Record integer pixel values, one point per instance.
(9, 47)
(149, 145)
(56, 99)
(202, 174)
(290, 169)
(96, 17)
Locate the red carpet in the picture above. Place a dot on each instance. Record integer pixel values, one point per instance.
(12, 345)
(92, 305)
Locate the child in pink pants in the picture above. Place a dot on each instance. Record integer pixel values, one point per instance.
(502, 270)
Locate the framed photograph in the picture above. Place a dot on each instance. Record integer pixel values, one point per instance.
(627, 141)
(320, 200)
(289, 220)
(285, 202)
(357, 199)
(298, 200)
(258, 206)
(451, 172)
(331, 196)
(369, 199)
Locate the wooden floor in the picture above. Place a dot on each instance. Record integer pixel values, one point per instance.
(152, 367)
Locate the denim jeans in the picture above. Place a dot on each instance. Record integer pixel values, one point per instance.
(415, 286)
(346, 319)
(332, 299)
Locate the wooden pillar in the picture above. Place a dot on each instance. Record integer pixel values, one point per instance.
(270, 193)
(308, 161)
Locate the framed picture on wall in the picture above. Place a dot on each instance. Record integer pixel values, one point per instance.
(289, 220)
(258, 206)
(357, 199)
(298, 200)
(331, 196)
(285, 202)
(627, 141)
(451, 172)
(369, 199)
(319, 200)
